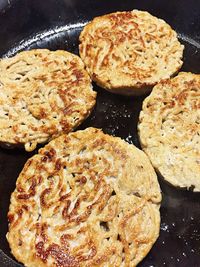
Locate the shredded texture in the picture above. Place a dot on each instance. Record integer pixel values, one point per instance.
(169, 130)
(87, 199)
(42, 94)
(129, 52)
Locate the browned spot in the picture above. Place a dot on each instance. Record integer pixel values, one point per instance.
(181, 97)
(31, 191)
(73, 65)
(61, 256)
(42, 113)
(50, 154)
(44, 159)
(42, 78)
(65, 72)
(83, 180)
(15, 128)
(93, 252)
(65, 125)
(40, 252)
(62, 198)
(64, 241)
(42, 197)
(20, 188)
(79, 75)
(25, 207)
(19, 213)
(65, 210)
(10, 217)
(83, 217)
(58, 164)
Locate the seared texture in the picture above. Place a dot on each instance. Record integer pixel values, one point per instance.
(87, 199)
(129, 52)
(42, 94)
(169, 130)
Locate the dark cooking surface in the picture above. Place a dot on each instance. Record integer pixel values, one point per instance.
(31, 24)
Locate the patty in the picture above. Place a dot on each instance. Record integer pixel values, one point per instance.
(129, 52)
(169, 130)
(42, 94)
(87, 199)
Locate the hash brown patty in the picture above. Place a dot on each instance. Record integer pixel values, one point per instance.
(87, 199)
(42, 94)
(129, 52)
(169, 130)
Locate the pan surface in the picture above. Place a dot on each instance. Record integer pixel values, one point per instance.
(56, 24)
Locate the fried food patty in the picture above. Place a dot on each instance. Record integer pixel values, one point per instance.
(42, 94)
(169, 130)
(129, 52)
(87, 199)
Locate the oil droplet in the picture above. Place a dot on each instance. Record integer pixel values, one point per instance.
(164, 227)
(129, 139)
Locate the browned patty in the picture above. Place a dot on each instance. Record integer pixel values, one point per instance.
(169, 130)
(129, 52)
(87, 199)
(42, 94)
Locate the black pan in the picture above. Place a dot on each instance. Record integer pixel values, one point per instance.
(55, 25)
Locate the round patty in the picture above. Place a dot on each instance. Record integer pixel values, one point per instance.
(169, 130)
(129, 52)
(87, 199)
(42, 94)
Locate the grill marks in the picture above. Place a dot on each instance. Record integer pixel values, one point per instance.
(44, 94)
(69, 199)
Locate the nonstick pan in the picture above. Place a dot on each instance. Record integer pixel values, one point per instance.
(56, 24)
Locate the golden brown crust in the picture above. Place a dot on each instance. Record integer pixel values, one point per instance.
(87, 199)
(169, 130)
(42, 94)
(129, 52)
